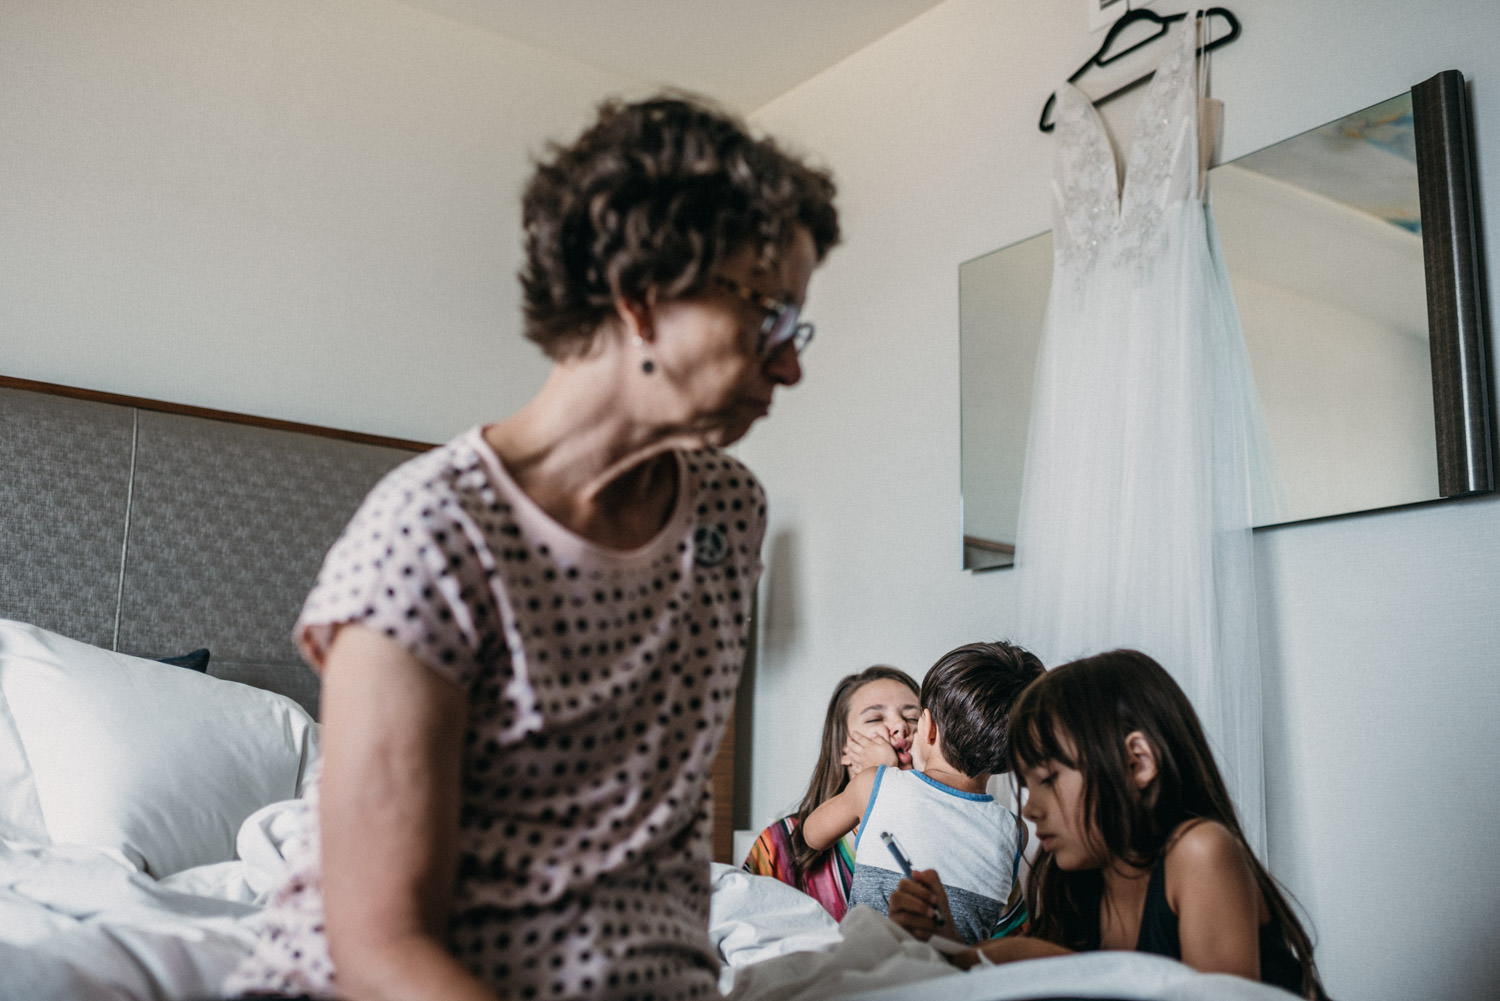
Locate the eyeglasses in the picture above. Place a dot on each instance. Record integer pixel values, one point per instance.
(780, 326)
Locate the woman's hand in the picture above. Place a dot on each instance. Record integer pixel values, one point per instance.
(863, 752)
(918, 903)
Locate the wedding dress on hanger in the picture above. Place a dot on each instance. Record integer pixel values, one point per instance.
(1135, 507)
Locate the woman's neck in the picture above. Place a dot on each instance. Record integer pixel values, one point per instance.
(574, 450)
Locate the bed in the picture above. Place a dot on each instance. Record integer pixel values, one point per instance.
(156, 723)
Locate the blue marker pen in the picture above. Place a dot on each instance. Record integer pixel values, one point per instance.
(905, 864)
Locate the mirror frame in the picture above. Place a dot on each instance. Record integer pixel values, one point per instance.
(1458, 329)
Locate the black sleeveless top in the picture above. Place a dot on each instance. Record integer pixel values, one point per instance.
(1159, 936)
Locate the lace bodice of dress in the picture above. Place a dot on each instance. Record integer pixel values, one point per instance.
(1091, 212)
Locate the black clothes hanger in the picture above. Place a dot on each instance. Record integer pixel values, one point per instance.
(1103, 57)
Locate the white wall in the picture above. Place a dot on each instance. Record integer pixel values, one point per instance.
(307, 210)
(1381, 632)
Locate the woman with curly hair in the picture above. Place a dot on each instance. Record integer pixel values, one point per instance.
(530, 637)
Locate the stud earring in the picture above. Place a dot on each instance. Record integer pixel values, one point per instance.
(647, 365)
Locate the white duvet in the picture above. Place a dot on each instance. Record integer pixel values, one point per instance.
(83, 924)
(780, 945)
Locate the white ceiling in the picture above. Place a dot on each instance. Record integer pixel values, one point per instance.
(743, 53)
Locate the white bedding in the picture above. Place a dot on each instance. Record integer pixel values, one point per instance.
(779, 945)
(81, 923)
(84, 924)
(123, 783)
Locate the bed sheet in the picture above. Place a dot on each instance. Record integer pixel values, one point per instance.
(777, 948)
(81, 923)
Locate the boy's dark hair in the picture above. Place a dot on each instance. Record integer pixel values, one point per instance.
(652, 197)
(969, 692)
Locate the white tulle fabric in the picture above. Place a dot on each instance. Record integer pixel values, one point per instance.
(1135, 510)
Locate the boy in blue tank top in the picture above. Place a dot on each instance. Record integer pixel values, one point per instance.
(939, 811)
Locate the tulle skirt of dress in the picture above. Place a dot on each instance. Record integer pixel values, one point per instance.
(1136, 504)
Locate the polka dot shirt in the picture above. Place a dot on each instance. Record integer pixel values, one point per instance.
(599, 683)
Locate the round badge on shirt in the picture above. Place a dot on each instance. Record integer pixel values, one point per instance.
(710, 547)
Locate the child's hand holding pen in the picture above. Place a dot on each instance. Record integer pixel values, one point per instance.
(919, 904)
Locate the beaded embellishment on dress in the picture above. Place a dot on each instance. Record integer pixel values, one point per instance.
(1092, 211)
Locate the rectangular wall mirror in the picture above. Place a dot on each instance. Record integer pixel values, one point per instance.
(1353, 253)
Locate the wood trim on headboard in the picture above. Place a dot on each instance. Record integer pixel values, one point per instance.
(721, 779)
(11, 382)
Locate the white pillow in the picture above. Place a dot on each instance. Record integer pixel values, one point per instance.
(156, 761)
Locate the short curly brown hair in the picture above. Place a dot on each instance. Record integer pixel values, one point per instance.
(655, 195)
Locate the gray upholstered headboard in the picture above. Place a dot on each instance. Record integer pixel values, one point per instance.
(155, 530)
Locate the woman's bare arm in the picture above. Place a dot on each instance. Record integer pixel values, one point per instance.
(392, 738)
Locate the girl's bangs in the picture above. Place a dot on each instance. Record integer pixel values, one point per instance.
(1038, 735)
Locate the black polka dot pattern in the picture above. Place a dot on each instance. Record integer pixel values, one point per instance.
(599, 686)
